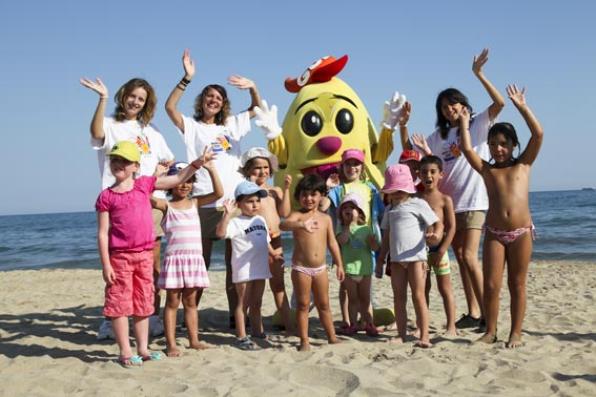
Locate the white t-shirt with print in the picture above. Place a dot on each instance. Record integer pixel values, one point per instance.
(461, 182)
(407, 223)
(250, 248)
(150, 142)
(225, 141)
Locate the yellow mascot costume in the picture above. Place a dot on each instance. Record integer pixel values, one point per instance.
(325, 118)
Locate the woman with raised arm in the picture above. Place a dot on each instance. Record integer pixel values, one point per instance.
(131, 121)
(461, 183)
(213, 124)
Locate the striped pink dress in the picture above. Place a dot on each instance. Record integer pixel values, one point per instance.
(183, 265)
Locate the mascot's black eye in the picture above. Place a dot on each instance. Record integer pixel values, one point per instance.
(344, 121)
(312, 123)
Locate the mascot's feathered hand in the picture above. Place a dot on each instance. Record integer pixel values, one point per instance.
(267, 120)
(393, 109)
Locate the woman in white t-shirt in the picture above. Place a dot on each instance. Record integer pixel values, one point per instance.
(213, 124)
(131, 121)
(462, 183)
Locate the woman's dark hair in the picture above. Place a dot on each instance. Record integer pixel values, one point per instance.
(310, 183)
(146, 114)
(452, 96)
(220, 118)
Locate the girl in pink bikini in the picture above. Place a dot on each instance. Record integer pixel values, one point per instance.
(509, 229)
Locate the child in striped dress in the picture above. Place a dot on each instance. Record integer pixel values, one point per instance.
(183, 272)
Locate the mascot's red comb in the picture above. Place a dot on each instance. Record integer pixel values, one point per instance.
(319, 72)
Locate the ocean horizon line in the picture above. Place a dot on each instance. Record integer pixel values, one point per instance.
(587, 188)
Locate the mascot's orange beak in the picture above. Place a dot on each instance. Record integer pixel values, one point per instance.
(319, 72)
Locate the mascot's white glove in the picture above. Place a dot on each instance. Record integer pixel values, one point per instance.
(267, 120)
(393, 109)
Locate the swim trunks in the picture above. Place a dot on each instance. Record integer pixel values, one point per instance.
(442, 267)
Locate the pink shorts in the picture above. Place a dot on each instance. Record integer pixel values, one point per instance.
(132, 293)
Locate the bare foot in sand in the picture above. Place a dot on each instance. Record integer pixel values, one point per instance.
(424, 344)
(487, 338)
(304, 347)
(450, 331)
(199, 345)
(514, 341)
(333, 340)
(172, 351)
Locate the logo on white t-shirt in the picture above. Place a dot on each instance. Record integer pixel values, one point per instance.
(143, 144)
(221, 144)
(451, 150)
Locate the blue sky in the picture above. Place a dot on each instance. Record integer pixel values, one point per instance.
(418, 48)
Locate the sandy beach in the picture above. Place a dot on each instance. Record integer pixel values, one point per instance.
(48, 347)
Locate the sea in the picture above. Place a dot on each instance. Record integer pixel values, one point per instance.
(565, 223)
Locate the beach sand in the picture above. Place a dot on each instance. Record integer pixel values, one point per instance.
(48, 347)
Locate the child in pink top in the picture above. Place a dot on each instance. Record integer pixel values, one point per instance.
(125, 239)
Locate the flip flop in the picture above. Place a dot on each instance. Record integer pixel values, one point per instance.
(246, 344)
(129, 362)
(153, 356)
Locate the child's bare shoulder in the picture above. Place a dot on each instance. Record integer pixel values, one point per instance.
(446, 200)
(323, 216)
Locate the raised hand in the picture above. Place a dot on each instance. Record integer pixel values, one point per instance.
(310, 225)
(464, 118)
(332, 180)
(287, 181)
(188, 64)
(267, 120)
(205, 159)
(229, 206)
(479, 61)
(516, 95)
(241, 82)
(97, 86)
(420, 142)
(161, 169)
(404, 116)
(393, 109)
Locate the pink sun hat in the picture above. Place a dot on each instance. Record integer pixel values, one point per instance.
(398, 178)
(352, 154)
(355, 199)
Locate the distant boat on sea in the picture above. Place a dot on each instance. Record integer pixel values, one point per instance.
(588, 189)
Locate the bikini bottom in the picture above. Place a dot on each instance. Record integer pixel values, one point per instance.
(309, 271)
(508, 236)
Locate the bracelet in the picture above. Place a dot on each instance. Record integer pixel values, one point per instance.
(185, 81)
(181, 86)
(103, 97)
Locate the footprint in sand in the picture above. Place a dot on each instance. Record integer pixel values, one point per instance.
(317, 378)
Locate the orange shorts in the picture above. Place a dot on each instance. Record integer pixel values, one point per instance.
(132, 293)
